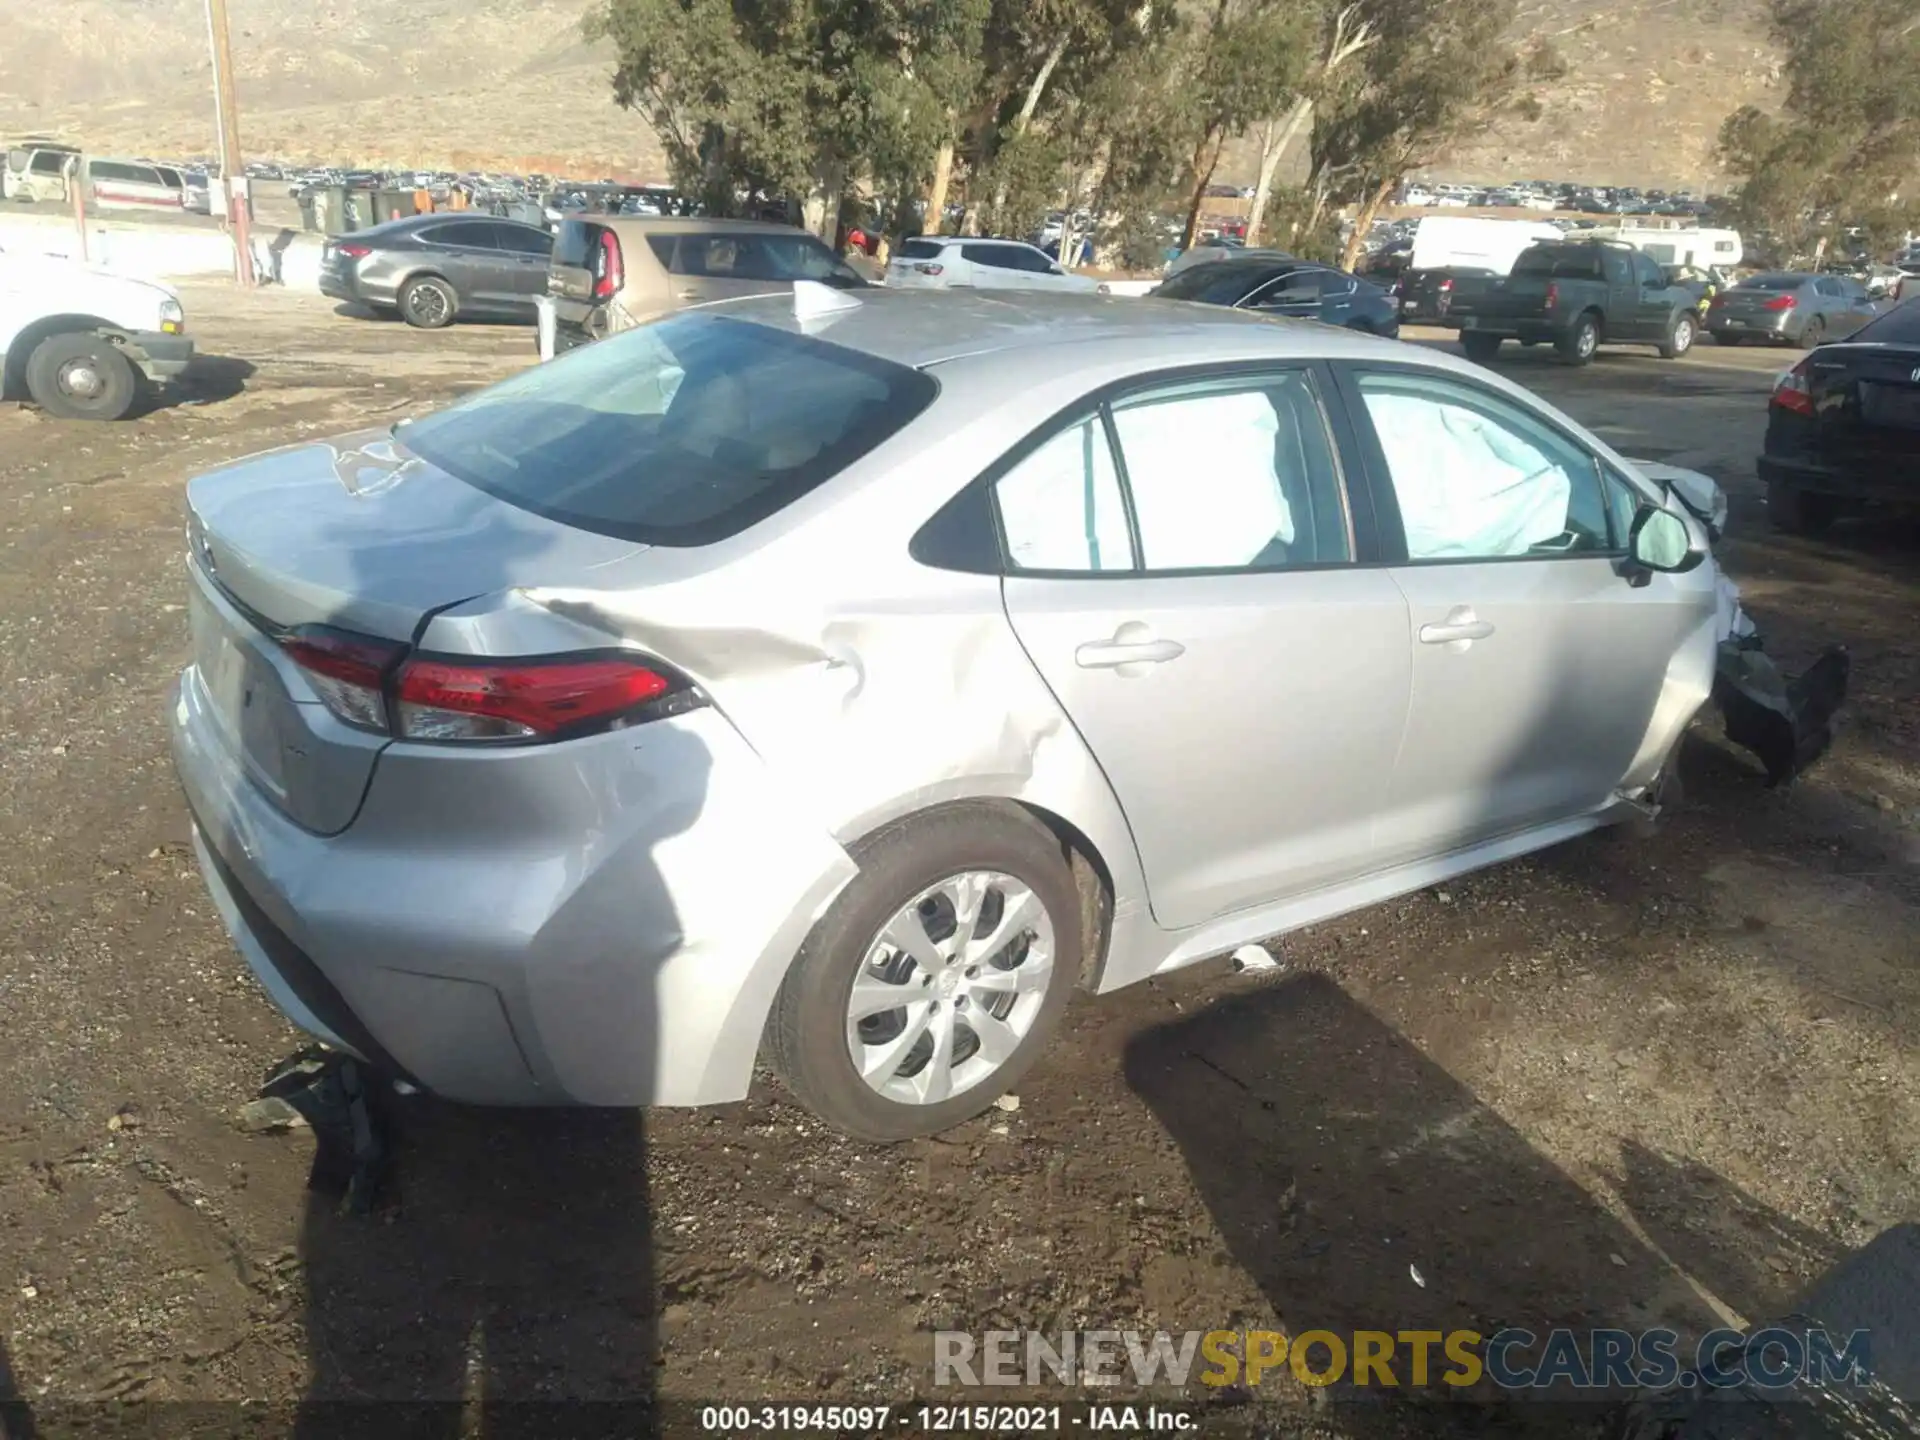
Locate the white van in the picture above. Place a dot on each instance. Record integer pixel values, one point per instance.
(1442, 242)
(134, 185)
(1689, 247)
(37, 171)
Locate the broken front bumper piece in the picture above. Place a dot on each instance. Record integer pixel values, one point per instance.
(1787, 723)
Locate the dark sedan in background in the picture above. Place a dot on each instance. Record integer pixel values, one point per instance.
(1295, 288)
(432, 269)
(1792, 306)
(1843, 428)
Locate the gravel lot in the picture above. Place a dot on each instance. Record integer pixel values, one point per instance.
(1618, 1083)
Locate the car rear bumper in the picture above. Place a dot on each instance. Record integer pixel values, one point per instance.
(601, 922)
(160, 356)
(1768, 327)
(1883, 483)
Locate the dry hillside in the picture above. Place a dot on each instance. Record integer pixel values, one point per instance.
(508, 84)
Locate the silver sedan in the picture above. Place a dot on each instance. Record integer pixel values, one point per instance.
(849, 678)
(1791, 306)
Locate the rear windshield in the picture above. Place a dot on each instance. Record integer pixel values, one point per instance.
(1221, 283)
(681, 432)
(1559, 263)
(573, 244)
(1898, 326)
(1774, 283)
(920, 249)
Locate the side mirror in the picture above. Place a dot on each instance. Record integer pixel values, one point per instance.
(1660, 541)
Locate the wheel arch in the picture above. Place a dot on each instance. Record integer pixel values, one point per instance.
(13, 369)
(1092, 874)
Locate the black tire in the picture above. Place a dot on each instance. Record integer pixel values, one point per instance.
(1578, 345)
(428, 303)
(82, 377)
(1681, 331)
(1814, 334)
(1797, 511)
(1479, 346)
(807, 1036)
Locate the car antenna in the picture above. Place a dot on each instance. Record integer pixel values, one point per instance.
(814, 301)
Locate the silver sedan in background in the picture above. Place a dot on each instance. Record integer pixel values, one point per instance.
(846, 678)
(1791, 306)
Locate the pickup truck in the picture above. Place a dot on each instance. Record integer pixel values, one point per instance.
(83, 342)
(1576, 295)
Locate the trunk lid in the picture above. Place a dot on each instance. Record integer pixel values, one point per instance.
(1749, 304)
(1866, 401)
(357, 534)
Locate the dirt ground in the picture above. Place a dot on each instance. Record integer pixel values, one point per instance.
(1630, 1083)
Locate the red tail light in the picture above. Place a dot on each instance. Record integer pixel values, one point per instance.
(370, 684)
(348, 672)
(1553, 294)
(354, 252)
(1446, 286)
(1792, 390)
(1780, 302)
(611, 273)
(931, 269)
(521, 700)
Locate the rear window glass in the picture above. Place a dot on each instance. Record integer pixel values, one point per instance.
(681, 432)
(1775, 283)
(573, 244)
(1559, 264)
(921, 250)
(1899, 326)
(1215, 284)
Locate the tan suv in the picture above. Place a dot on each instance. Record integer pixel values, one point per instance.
(612, 272)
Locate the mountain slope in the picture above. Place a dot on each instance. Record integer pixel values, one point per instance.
(509, 84)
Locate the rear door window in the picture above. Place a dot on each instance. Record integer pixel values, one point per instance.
(993, 256)
(461, 235)
(680, 432)
(920, 250)
(574, 245)
(520, 240)
(49, 162)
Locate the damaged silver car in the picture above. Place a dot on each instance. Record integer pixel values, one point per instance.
(844, 679)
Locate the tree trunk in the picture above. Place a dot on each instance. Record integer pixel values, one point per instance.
(1206, 159)
(935, 219)
(1025, 118)
(822, 208)
(1273, 149)
(1364, 222)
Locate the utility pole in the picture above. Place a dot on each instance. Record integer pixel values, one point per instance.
(233, 175)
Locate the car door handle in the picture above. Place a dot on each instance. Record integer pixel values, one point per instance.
(1116, 653)
(1460, 628)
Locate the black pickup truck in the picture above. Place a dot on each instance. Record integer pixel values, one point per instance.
(1576, 295)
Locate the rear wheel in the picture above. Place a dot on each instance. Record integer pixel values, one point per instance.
(428, 302)
(1815, 332)
(1576, 347)
(82, 377)
(933, 982)
(1797, 511)
(1679, 336)
(1480, 348)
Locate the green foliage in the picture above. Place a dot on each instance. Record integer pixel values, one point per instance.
(790, 96)
(1845, 147)
(1439, 68)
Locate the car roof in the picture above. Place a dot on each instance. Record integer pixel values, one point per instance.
(921, 328)
(686, 225)
(971, 240)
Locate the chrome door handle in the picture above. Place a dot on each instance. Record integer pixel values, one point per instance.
(1117, 654)
(1460, 629)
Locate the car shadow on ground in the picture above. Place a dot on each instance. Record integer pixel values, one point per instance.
(16, 1418)
(507, 1290)
(207, 380)
(1350, 1177)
